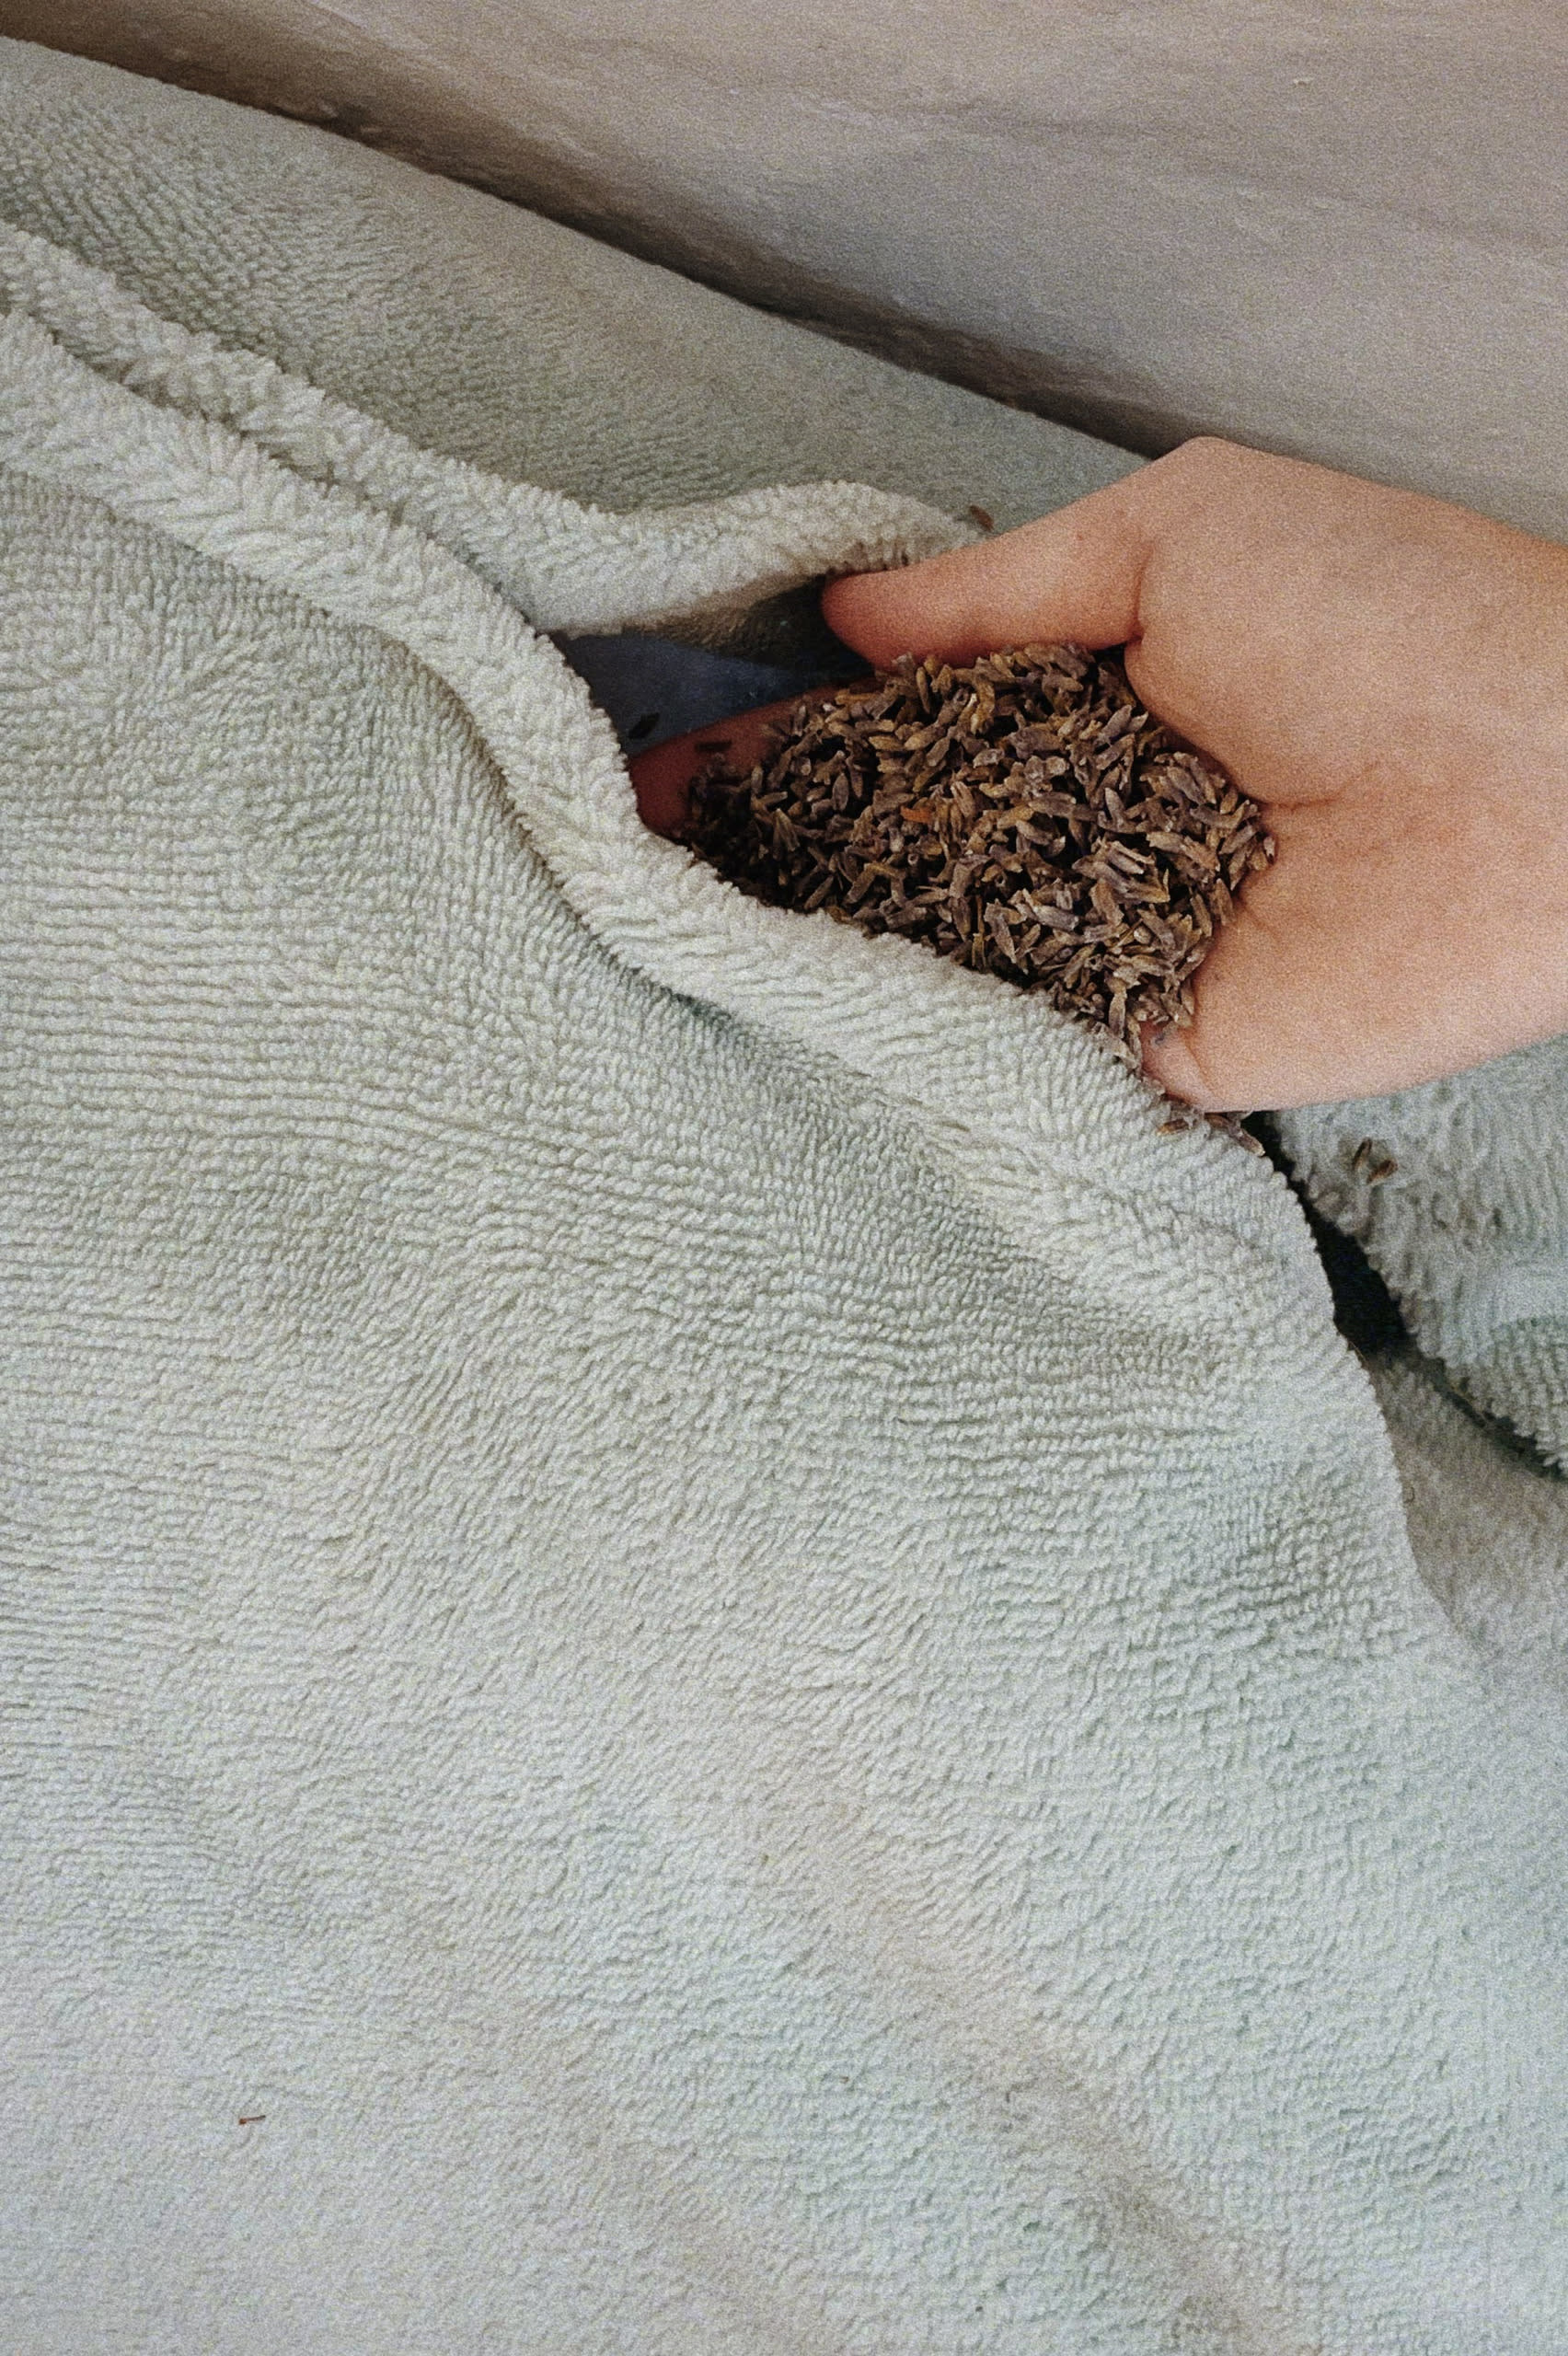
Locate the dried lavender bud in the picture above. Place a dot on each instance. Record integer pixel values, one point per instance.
(1024, 815)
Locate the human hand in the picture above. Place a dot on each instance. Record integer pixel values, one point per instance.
(1388, 675)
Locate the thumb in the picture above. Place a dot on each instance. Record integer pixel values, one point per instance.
(1076, 574)
(1168, 1059)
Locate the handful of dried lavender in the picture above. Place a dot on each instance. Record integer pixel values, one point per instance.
(1025, 815)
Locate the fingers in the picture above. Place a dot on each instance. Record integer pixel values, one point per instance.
(1234, 1057)
(1285, 1006)
(661, 779)
(1075, 574)
(1167, 1058)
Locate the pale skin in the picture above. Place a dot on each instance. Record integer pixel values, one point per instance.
(1387, 674)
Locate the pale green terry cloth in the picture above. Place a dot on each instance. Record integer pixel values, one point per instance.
(1470, 1226)
(748, 1667)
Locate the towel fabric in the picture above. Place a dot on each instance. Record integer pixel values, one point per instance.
(1468, 1225)
(702, 1654)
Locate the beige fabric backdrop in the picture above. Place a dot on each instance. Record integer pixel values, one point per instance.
(1334, 227)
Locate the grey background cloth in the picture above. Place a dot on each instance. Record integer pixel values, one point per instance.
(1332, 228)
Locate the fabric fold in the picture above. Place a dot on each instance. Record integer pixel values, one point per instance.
(1010, 1092)
(1457, 1191)
(703, 1656)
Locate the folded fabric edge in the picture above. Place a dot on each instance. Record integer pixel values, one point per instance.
(1520, 1381)
(565, 565)
(1018, 1102)
(1480, 1304)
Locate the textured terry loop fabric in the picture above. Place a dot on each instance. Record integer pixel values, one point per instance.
(744, 1667)
(418, 300)
(1470, 1226)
